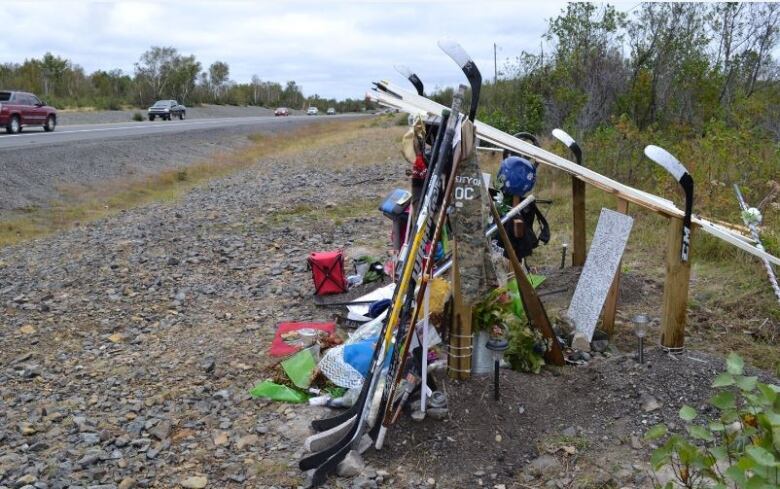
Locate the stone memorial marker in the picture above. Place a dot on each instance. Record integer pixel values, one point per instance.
(602, 262)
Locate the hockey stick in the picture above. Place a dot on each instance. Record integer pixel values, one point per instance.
(425, 279)
(534, 309)
(459, 55)
(327, 460)
(412, 77)
(570, 143)
(754, 231)
(673, 166)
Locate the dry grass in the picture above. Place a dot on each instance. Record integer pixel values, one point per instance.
(731, 305)
(84, 203)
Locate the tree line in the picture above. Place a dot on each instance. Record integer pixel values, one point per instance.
(160, 73)
(681, 65)
(698, 79)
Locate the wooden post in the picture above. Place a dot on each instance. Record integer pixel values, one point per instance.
(610, 305)
(459, 360)
(678, 275)
(578, 222)
(518, 224)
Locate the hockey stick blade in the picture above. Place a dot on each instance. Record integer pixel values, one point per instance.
(461, 57)
(569, 141)
(678, 171)
(412, 77)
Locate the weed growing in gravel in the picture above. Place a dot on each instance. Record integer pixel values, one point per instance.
(740, 448)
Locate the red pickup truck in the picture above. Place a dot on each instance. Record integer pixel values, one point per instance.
(19, 109)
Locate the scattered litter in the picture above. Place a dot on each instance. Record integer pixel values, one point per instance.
(301, 366)
(276, 392)
(281, 347)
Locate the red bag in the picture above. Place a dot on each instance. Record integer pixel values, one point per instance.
(327, 271)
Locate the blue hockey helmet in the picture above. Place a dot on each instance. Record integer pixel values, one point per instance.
(516, 176)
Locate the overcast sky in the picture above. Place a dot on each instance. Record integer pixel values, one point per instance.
(334, 49)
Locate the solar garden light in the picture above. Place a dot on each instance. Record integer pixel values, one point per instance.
(497, 346)
(563, 255)
(641, 322)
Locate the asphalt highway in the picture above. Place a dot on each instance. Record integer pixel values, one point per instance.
(32, 136)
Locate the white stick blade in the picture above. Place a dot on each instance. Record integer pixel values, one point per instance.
(563, 137)
(454, 51)
(404, 70)
(666, 160)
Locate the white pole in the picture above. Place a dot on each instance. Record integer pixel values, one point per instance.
(424, 391)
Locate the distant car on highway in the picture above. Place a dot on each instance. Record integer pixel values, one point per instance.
(312, 111)
(20, 109)
(166, 110)
(282, 111)
(331, 111)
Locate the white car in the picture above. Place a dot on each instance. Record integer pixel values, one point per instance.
(312, 111)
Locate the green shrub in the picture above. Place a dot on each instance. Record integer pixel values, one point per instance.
(502, 307)
(138, 117)
(740, 448)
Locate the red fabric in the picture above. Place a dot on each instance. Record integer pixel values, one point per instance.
(327, 272)
(281, 349)
(418, 168)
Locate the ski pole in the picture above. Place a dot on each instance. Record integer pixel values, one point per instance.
(754, 231)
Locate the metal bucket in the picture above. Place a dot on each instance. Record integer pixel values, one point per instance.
(481, 357)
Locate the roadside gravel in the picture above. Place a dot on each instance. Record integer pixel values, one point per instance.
(129, 344)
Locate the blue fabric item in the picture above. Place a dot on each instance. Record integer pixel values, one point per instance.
(439, 252)
(516, 176)
(358, 355)
(378, 307)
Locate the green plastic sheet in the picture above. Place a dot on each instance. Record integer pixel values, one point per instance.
(276, 392)
(299, 368)
(517, 304)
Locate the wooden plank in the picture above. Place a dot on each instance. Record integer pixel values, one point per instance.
(678, 275)
(414, 104)
(578, 222)
(610, 306)
(534, 309)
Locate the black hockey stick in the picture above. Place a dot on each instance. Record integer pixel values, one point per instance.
(570, 143)
(673, 166)
(461, 57)
(412, 77)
